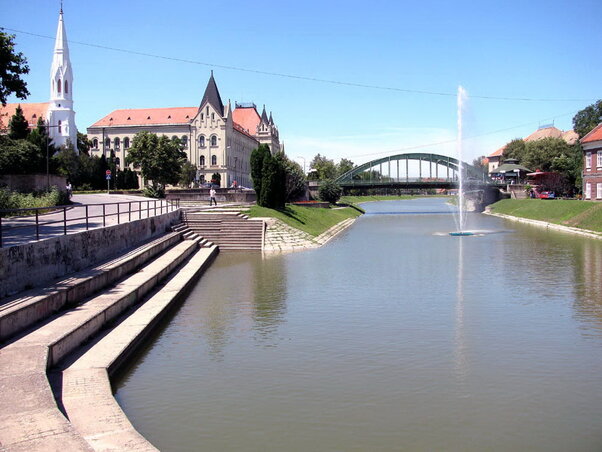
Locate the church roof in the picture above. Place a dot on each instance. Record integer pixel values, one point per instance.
(31, 111)
(264, 116)
(147, 116)
(594, 135)
(247, 117)
(212, 96)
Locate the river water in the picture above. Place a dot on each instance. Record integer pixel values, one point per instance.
(391, 337)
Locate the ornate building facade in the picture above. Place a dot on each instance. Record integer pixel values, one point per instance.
(58, 113)
(216, 138)
(592, 164)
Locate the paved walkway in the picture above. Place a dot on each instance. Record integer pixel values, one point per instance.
(100, 209)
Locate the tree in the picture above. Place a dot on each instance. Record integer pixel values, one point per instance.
(540, 154)
(588, 118)
(18, 127)
(216, 178)
(159, 158)
(273, 182)
(294, 183)
(187, 175)
(330, 191)
(257, 157)
(322, 168)
(12, 66)
(18, 156)
(68, 164)
(344, 166)
(515, 149)
(83, 143)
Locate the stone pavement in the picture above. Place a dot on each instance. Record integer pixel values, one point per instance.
(282, 237)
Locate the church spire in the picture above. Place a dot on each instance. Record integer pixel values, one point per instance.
(212, 96)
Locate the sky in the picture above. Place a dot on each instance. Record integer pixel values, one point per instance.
(355, 79)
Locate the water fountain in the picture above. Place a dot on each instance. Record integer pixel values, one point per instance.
(460, 219)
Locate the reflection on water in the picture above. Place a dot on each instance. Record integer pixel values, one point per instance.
(388, 338)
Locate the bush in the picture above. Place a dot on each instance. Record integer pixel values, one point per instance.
(152, 192)
(15, 200)
(330, 191)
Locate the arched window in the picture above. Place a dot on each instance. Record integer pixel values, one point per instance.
(60, 128)
(58, 84)
(107, 143)
(214, 160)
(66, 86)
(117, 142)
(202, 141)
(95, 143)
(174, 137)
(213, 140)
(202, 160)
(184, 141)
(126, 143)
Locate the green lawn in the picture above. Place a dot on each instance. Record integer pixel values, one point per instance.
(312, 220)
(579, 214)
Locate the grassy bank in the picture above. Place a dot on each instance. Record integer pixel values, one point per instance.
(573, 213)
(312, 220)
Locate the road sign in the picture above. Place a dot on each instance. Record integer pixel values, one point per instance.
(108, 172)
(108, 177)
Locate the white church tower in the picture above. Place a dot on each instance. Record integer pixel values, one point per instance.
(61, 117)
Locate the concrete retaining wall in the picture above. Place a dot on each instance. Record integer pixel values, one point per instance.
(28, 182)
(37, 263)
(221, 195)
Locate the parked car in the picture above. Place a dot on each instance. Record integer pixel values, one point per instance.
(547, 195)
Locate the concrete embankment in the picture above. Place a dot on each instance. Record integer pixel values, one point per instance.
(546, 225)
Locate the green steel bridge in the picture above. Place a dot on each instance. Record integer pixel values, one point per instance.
(414, 171)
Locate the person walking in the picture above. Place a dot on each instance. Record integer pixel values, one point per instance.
(212, 196)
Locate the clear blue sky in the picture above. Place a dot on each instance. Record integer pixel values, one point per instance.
(513, 49)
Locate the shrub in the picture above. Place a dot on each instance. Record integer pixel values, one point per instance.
(330, 191)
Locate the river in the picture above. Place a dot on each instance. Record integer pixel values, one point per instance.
(391, 337)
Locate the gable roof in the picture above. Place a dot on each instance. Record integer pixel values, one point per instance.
(570, 136)
(31, 111)
(212, 96)
(147, 116)
(594, 135)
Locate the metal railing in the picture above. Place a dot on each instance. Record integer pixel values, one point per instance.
(19, 226)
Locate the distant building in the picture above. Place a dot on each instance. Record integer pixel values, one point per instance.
(592, 164)
(571, 137)
(215, 138)
(58, 113)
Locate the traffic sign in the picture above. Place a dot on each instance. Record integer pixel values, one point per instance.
(108, 177)
(108, 172)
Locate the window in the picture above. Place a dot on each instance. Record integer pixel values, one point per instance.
(202, 116)
(60, 128)
(66, 86)
(117, 161)
(599, 163)
(599, 190)
(213, 140)
(214, 160)
(174, 137)
(117, 142)
(202, 160)
(95, 143)
(107, 143)
(184, 141)
(588, 160)
(588, 191)
(202, 141)
(212, 116)
(126, 143)
(58, 84)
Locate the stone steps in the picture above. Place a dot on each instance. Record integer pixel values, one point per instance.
(30, 418)
(27, 308)
(229, 230)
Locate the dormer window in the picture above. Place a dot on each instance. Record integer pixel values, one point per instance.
(148, 117)
(129, 119)
(169, 117)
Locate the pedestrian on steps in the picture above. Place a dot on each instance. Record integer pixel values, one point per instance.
(212, 196)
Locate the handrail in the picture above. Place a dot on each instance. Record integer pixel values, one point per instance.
(47, 222)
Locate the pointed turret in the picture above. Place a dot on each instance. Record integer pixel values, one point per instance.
(264, 116)
(271, 119)
(61, 116)
(212, 96)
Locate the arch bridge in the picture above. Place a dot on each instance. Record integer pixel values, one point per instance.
(412, 171)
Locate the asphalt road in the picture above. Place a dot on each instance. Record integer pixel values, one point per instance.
(86, 212)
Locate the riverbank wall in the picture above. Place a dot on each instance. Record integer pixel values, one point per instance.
(37, 263)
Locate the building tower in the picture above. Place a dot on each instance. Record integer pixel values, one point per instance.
(61, 117)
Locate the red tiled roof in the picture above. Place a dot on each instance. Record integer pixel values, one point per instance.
(31, 111)
(594, 135)
(148, 116)
(242, 130)
(247, 117)
(499, 152)
(546, 132)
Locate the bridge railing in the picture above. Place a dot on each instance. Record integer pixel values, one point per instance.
(19, 226)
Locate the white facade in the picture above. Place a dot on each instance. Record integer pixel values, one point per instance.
(60, 116)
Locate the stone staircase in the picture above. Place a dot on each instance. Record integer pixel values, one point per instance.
(229, 230)
(116, 304)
